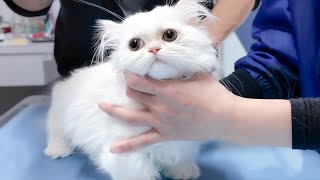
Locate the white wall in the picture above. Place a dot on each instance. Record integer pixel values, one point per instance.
(232, 50)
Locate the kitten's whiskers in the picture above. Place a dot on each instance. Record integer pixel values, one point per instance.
(121, 7)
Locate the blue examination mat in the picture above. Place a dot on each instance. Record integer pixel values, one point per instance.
(23, 139)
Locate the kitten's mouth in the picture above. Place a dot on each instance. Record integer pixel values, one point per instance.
(159, 61)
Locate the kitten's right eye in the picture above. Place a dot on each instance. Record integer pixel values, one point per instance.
(135, 44)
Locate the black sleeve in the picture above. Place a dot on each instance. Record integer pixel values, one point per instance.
(241, 83)
(17, 9)
(305, 123)
(256, 5)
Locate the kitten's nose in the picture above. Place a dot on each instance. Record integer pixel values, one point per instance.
(154, 50)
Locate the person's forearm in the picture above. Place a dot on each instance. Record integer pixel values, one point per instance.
(231, 14)
(262, 122)
(33, 5)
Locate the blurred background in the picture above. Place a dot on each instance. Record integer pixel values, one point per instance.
(27, 65)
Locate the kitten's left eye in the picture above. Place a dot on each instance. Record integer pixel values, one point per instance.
(135, 44)
(170, 35)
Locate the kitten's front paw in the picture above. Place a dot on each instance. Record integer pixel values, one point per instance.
(57, 150)
(184, 171)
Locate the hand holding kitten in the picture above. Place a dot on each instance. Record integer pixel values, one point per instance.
(195, 109)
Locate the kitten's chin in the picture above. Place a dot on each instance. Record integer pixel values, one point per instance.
(162, 71)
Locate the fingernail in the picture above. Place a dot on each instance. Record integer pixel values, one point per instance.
(103, 106)
(116, 150)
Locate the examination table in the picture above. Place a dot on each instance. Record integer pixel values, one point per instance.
(23, 139)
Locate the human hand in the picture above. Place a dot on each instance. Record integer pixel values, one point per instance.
(196, 109)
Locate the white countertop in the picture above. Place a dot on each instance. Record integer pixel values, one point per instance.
(32, 48)
(27, 65)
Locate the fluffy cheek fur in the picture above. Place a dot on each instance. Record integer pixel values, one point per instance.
(190, 53)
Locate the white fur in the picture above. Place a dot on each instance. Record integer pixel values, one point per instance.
(75, 120)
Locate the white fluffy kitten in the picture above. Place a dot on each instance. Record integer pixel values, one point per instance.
(166, 43)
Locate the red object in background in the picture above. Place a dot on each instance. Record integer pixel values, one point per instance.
(38, 35)
(6, 29)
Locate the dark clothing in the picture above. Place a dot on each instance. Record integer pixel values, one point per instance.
(284, 62)
(285, 58)
(305, 123)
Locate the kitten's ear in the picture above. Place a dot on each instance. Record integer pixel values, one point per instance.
(194, 11)
(107, 29)
(107, 24)
(107, 37)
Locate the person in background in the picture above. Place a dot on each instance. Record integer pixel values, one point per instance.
(275, 97)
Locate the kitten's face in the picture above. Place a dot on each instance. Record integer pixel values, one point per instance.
(162, 44)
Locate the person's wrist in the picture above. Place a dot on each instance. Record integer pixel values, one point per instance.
(232, 116)
(237, 108)
(250, 120)
(226, 115)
